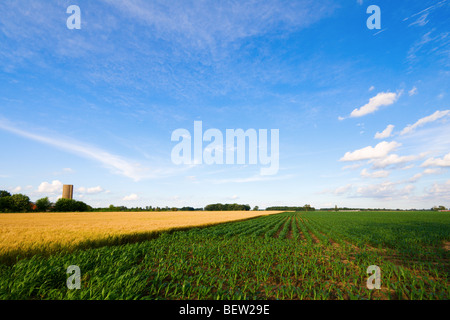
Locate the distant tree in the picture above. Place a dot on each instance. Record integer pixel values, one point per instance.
(64, 205)
(5, 204)
(286, 208)
(187, 209)
(256, 208)
(42, 205)
(19, 203)
(70, 205)
(214, 207)
(227, 207)
(437, 208)
(4, 193)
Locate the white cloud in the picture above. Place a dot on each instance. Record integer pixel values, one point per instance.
(381, 150)
(441, 191)
(412, 92)
(381, 99)
(375, 174)
(55, 187)
(417, 176)
(338, 191)
(353, 166)
(435, 116)
(386, 132)
(386, 190)
(131, 197)
(371, 88)
(16, 189)
(64, 171)
(393, 159)
(438, 162)
(93, 190)
(343, 189)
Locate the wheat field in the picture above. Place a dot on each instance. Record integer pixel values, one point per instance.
(26, 234)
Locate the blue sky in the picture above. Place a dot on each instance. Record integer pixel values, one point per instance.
(363, 114)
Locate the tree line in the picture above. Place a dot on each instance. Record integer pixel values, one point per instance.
(113, 208)
(227, 207)
(21, 203)
(306, 207)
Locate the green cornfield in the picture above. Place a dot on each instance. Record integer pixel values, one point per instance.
(286, 256)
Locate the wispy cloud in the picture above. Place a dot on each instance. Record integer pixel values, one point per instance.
(343, 189)
(385, 190)
(353, 166)
(131, 197)
(209, 24)
(393, 159)
(412, 92)
(381, 99)
(376, 33)
(439, 191)
(419, 175)
(421, 21)
(425, 11)
(115, 163)
(431, 43)
(376, 174)
(421, 122)
(256, 178)
(92, 190)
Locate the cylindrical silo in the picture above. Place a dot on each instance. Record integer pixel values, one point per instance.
(67, 191)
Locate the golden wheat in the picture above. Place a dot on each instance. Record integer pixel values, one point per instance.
(29, 233)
